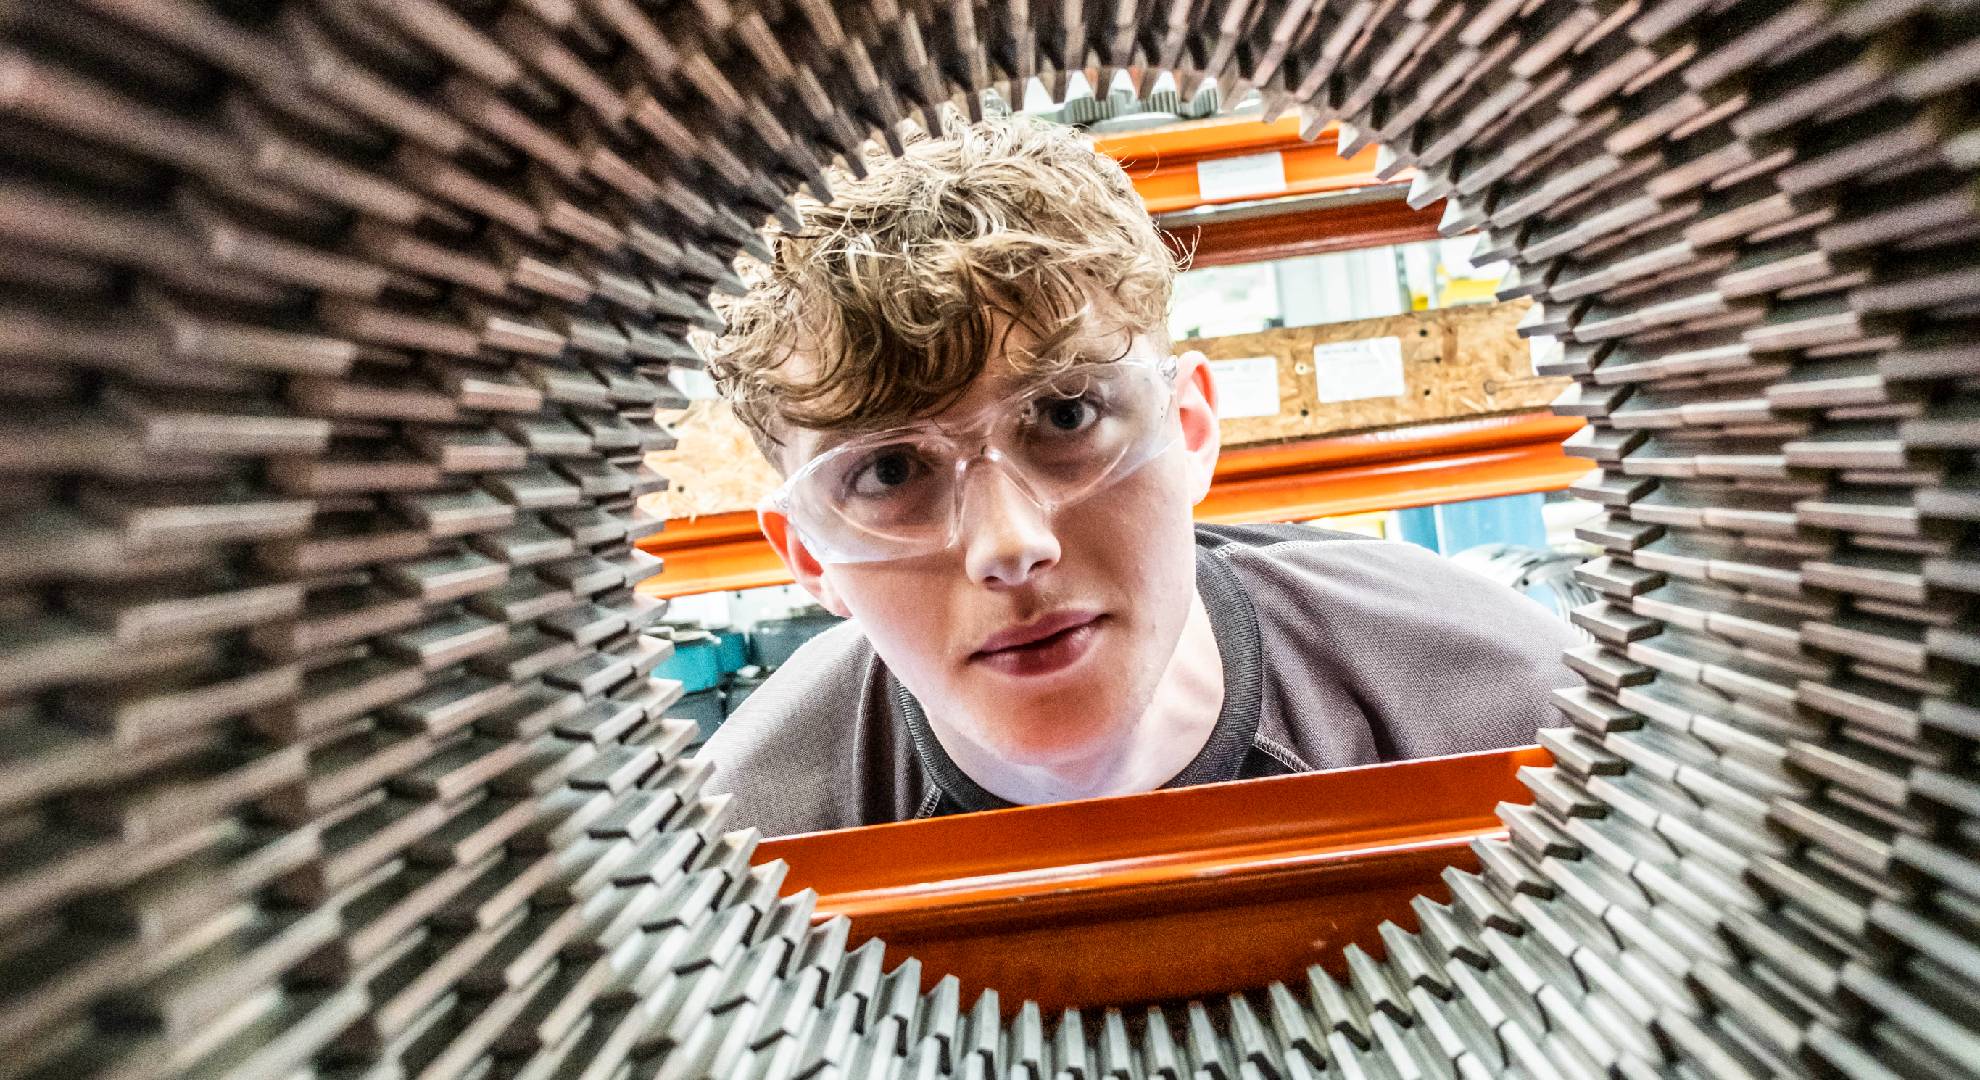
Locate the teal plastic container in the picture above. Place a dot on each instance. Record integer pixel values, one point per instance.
(732, 646)
(697, 661)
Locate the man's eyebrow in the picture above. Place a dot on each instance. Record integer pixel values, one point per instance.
(1094, 349)
(837, 437)
(827, 440)
(832, 438)
(1089, 348)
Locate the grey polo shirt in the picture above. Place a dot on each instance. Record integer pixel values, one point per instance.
(1337, 651)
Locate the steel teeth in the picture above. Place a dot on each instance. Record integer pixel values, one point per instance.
(332, 336)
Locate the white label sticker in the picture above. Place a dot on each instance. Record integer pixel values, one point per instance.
(1237, 177)
(1354, 370)
(1248, 386)
(697, 385)
(1547, 349)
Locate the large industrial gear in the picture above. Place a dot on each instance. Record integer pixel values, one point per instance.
(332, 332)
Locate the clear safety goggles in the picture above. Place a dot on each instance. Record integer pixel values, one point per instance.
(898, 493)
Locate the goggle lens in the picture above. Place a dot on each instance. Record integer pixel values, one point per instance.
(898, 494)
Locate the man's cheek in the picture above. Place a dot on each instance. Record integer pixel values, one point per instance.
(907, 620)
(1129, 530)
(1140, 510)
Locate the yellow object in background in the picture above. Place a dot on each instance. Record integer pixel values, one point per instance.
(1470, 290)
(1375, 523)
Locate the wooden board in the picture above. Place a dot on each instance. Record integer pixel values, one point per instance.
(1457, 362)
(714, 466)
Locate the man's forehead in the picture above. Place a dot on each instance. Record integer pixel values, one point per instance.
(1021, 362)
(1024, 364)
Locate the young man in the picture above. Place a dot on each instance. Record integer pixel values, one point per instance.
(990, 458)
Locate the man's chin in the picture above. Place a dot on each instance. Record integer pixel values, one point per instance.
(1053, 738)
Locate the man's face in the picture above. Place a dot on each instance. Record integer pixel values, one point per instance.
(1038, 636)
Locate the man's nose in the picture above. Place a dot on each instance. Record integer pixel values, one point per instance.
(1006, 536)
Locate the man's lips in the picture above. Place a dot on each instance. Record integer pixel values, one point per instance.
(1034, 632)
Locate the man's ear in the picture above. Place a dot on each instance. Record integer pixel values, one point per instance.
(804, 567)
(1196, 406)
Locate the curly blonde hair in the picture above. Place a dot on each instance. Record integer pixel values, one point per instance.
(899, 292)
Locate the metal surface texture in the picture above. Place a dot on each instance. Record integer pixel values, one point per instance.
(331, 334)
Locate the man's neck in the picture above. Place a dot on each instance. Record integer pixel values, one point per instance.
(1168, 736)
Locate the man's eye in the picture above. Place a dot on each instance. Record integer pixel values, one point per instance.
(885, 472)
(1066, 416)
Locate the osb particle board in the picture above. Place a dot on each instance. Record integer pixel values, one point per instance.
(714, 466)
(1457, 362)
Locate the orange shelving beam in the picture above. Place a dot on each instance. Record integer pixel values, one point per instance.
(1164, 165)
(1085, 903)
(1164, 162)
